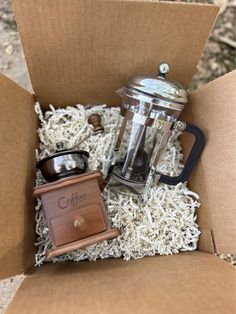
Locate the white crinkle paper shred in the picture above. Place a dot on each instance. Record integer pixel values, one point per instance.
(165, 224)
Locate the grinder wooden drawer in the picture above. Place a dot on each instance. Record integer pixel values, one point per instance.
(78, 224)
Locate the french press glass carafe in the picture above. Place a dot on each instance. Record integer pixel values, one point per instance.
(150, 110)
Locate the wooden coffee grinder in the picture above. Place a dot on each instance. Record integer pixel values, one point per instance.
(72, 201)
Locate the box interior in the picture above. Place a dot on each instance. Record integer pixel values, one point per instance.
(212, 176)
(77, 56)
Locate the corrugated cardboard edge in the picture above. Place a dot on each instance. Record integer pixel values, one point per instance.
(213, 109)
(17, 172)
(206, 241)
(185, 283)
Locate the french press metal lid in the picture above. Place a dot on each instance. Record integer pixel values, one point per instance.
(158, 87)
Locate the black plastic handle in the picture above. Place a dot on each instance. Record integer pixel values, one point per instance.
(192, 158)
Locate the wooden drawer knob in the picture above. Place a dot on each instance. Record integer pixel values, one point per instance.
(78, 222)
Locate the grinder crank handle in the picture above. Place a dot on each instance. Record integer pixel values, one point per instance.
(95, 120)
(193, 156)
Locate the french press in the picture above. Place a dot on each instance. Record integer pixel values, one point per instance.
(149, 112)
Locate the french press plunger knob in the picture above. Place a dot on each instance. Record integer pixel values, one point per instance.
(164, 69)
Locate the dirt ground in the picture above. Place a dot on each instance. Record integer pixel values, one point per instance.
(217, 59)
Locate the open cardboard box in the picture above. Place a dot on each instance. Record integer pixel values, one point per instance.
(81, 51)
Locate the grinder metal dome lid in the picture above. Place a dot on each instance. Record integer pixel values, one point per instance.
(158, 87)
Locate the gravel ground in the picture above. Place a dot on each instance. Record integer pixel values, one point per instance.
(8, 288)
(217, 59)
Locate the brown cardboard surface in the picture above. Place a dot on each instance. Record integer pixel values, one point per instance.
(206, 241)
(85, 50)
(213, 109)
(17, 137)
(185, 283)
(198, 183)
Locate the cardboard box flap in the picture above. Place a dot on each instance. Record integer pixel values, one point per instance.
(83, 51)
(17, 137)
(213, 109)
(184, 283)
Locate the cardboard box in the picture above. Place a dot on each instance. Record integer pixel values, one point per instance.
(81, 51)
